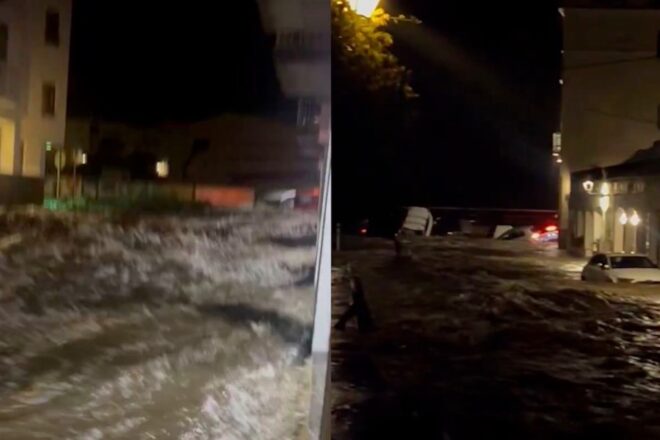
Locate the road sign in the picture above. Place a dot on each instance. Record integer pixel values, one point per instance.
(60, 159)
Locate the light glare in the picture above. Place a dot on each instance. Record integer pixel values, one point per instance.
(634, 219)
(364, 7)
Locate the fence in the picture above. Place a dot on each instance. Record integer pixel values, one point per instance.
(108, 189)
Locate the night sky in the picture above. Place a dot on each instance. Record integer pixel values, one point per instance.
(479, 135)
(153, 61)
(482, 131)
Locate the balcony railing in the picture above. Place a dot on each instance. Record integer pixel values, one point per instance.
(296, 45)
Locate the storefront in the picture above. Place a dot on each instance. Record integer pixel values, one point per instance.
(615, 209)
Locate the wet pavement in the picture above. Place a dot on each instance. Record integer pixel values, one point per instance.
(485, 339)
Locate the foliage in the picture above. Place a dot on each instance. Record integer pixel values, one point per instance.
(362, 51)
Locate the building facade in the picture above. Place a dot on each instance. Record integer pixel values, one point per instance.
(229, 149)
(610, 97)
(617, 208)
(34, 63)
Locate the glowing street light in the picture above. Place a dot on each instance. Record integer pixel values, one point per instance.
(623, 218)
(364, 7)
(588, 185)
(634, 219)
(605, 189)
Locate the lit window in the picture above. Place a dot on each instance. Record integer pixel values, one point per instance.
(52, 28)
(48, 99)
(162, 168)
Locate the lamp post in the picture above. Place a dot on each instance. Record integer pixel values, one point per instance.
(364, 7)
(604, 204)
(79, 158)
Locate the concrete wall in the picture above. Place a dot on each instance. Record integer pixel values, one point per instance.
(15, 190)
(611, 90)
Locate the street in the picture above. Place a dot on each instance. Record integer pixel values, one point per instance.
(492, 339)
(155, 327)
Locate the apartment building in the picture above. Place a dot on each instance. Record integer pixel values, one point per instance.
(34, 70)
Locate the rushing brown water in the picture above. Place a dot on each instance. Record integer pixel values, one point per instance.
(154, 328)
(486, 339)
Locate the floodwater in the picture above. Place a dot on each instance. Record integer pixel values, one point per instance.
(487, 339)
(155, 327)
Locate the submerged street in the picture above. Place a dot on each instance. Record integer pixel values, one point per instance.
(155, 327)
(492, 339)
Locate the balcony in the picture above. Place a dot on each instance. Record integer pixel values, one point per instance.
(299, 46)
(302, 44)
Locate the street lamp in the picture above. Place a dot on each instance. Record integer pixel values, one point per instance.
(634, 219)
(588, 185)
(605, 189)
(364, 7)
(623, 218)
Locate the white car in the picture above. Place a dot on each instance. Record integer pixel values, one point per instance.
(621, 268)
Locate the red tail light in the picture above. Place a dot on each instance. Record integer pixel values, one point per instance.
(363, 231)
(551, 228)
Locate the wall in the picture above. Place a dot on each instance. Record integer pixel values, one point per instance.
(46, 63)
(20, 190)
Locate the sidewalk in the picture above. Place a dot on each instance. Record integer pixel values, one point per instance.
(367, 403)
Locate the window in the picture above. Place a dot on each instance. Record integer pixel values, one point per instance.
(632, 263)
(52, 28)
(4, 41)
(48, 100)
(598, 260)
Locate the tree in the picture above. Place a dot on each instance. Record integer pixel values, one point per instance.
(371, 111)
(362, 52)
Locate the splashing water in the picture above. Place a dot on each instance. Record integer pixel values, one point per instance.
(154, 327)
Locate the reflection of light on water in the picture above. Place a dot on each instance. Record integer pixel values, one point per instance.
(552, 338)
(571, 268)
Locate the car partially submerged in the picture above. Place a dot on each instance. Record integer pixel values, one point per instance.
(621, 268)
